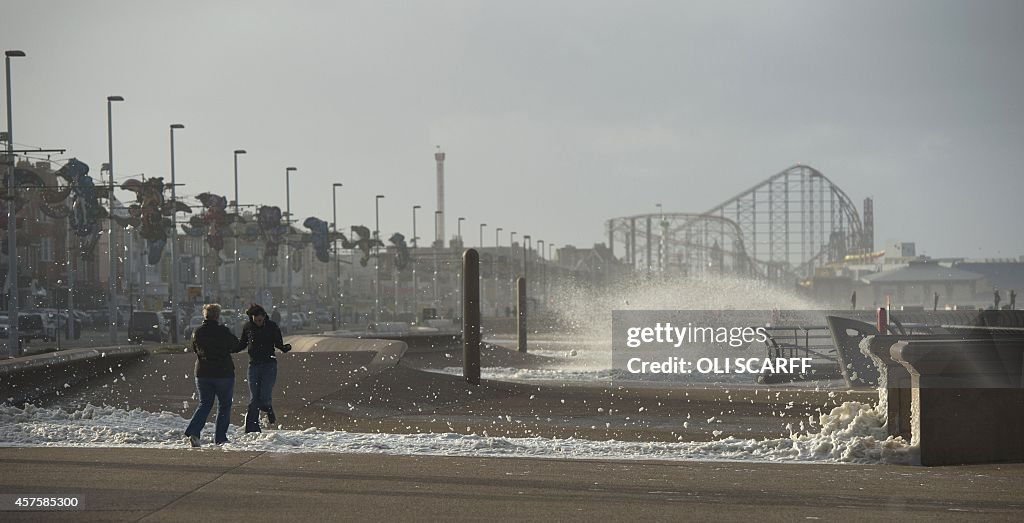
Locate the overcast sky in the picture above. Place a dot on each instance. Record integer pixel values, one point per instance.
(555, 115)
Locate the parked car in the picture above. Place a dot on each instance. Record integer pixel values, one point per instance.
(50, 320)
(100, 318)
(83, 317)
(124, 314)
(148, 326)
(193, 323)
(168, 316)
(323, 317)
(33, 326)
(65, 325)
(233, 320)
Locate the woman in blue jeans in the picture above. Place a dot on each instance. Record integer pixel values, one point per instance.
(261, 337)
(213, 344)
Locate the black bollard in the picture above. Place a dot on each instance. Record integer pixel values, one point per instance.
(521, 312)
(471, 316)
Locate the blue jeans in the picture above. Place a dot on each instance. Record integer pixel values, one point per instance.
(208, 388)
(261, 387)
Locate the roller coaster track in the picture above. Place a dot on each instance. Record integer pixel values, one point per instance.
(781, 229)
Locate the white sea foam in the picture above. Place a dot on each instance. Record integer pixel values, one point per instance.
(589, 375)
(851, 433)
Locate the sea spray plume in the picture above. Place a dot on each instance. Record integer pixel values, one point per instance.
(586, 308)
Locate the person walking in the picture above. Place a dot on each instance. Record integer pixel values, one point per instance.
(213, 344)
(261, 337)
(275, 315)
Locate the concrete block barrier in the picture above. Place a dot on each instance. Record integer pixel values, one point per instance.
(967, 399)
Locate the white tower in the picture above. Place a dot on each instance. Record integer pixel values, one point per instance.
(439, 226)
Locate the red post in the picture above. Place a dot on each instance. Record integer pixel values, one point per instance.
(883, 321)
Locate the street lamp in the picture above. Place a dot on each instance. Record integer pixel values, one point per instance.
(483, 292)
(494, 266)
(437, 296)
(376, 257)
(526, 254)
(174, 240)
(543, 270)
(12, 235)
(287, 247)
(337, 254)
(238, 280)
(111, 305)
(415, 280)
(512, 268)
(661, 235)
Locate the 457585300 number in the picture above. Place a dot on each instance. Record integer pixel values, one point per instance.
(38, 502)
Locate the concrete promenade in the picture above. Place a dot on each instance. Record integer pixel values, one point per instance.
(367, 389)
(213, 485)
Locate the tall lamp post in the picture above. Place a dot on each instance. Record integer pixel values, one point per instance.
(511, 255)
(526, 257)
(437, 220)
(376, 257)
(238, 280)
(661, 236)
(543, 271)
(337, 255)
(174, 241)
(458, 267)
(111, 304)
(483, 294)
(512, 268)
(554, 267)
(12, 236)
(415, 281)
(494, 267)
(287, 248)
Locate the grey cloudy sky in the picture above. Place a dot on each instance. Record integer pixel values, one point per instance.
(556, 115)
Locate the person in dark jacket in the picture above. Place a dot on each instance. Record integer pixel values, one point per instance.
(261, 337)
(213, 344)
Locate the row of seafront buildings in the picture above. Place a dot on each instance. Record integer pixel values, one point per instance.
(920, 283)
(51, 269)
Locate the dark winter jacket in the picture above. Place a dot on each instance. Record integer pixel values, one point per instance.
(261, 341)
(213, 344)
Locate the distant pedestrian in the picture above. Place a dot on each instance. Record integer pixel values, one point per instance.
(853, 301)
(213, 344)
(997, 298)
(1013, 300)
(261, 337)
(935, 306)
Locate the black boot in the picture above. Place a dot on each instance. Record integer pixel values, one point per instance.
(271, 418)
(252, 422)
